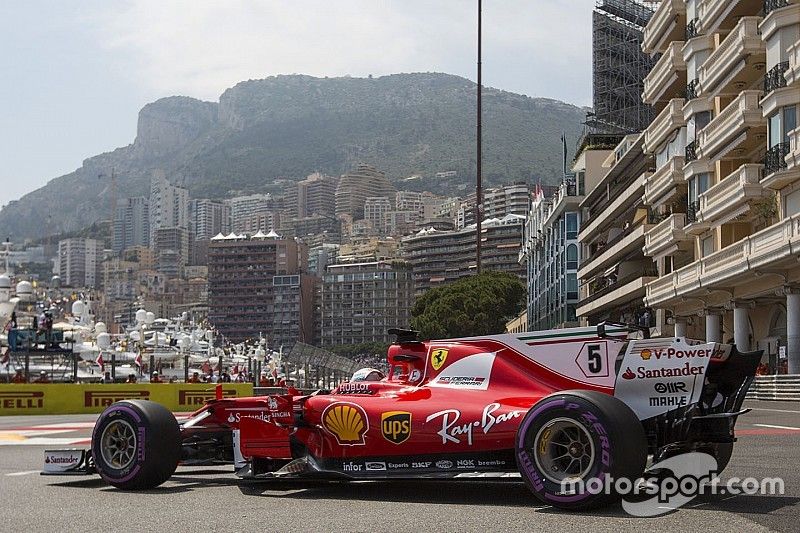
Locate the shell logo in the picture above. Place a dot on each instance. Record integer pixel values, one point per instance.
(347, 422)
(646, 354)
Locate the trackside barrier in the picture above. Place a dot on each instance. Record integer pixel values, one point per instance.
(785, 387)
(60, 399)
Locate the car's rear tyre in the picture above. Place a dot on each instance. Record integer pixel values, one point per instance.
(136, 444)
(579, 436)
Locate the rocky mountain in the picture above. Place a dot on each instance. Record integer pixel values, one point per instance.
(264, 134)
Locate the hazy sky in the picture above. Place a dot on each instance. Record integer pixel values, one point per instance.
(76, 72)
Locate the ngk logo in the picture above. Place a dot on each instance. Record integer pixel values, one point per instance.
(200, 397)
(22, 400)
(106, 398)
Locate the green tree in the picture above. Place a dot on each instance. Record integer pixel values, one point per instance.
(477, 305)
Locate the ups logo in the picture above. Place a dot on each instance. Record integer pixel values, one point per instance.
(396, 426)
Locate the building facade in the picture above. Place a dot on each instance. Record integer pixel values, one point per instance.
(131, 223)
(376, 209)
(614, 271)
(360, 302)
(168, 206)
(726, 189)
(244, 277)
(78, 262)
(316, 195)
(551, 255)
(356, 186)
(440, 257)
(209, 218)
(243, 208)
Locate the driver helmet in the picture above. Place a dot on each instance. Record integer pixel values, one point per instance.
(367, 374)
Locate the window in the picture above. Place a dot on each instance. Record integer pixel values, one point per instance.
(572, 257)
(572, 287)
(572, 226)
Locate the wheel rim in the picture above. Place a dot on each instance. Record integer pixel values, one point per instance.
(563, 450)
(118, 444)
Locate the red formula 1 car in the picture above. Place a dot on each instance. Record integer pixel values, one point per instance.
(551, 406)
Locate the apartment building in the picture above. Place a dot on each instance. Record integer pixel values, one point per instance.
(512, 199)
(726, 188)
(358, 185)
(360, 302)
(208, 218)
(438, 257)
(550, 254)
(245, 275)
(376, 209)
(242, 208)
(171, 249)
(614, 271)
(168, 206)
(78, 262)
(131, 223)
(316, 195)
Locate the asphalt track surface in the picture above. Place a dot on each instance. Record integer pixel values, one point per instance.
(214, 500)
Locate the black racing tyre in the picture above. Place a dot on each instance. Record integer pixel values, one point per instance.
(579, 435)
(136, 444)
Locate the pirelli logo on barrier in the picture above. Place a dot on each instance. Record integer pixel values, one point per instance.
(21, 400)
(74, 398)
(96, 398)
(196, 398)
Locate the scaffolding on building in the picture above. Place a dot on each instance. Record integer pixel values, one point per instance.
(619, 67)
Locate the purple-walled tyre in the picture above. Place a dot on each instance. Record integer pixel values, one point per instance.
(136, 444)
(572, 446)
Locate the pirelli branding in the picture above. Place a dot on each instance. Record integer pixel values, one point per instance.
(21, 400)
(104, 398)
(192, 398)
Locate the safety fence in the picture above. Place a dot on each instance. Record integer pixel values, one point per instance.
(56, 399)
(784, 387)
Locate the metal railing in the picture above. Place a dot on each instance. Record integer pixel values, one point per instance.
(692, 210)
(691, 89)
(691, 152)
(693, 29)
(775, 158)
(774, 79)
(772, 5)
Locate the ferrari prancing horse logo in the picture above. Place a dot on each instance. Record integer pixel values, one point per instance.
(438, 357)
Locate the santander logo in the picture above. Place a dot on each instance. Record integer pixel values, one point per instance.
(628, 374)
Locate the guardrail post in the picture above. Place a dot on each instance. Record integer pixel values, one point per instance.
(186, 368)
(113, 366)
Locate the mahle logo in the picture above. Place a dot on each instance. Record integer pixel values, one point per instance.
(438, 357)
(396, 426)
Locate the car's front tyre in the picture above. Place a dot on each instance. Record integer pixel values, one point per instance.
(136, 444)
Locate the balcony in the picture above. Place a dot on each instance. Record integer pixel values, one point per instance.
(738, 61)
(625, 200)
(774, 78)
(774, 248)
(772, 5)
(793, 158)
(731, 197)
(669, 120)
(667, 78)
(626, 242)
(781, 164)
(692, 29)
(616, 294)
(692, 90)
(667, 237)
(716, 15)
(736, 126)
(662, 185)
(691, 152)
(667, 24)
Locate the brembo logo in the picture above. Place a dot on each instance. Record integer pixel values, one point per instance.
(200, 397)
(106, 398)
(22, 400)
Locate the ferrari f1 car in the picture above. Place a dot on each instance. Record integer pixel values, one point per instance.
(550, 407)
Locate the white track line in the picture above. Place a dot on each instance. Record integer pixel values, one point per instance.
(776, 427)
(44, 441)
(773, 410)
(24, 473)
